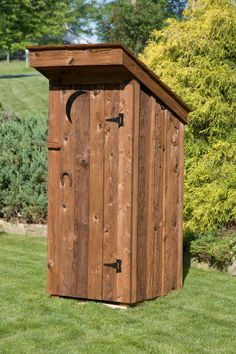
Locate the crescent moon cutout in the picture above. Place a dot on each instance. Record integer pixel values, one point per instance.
(70, 101)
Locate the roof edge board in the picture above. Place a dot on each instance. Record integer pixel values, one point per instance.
(137, 68)
(166, 96)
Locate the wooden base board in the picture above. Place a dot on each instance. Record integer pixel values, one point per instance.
(86, 301)
(116, 306)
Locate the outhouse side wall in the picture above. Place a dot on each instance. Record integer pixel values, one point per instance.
(160, 200)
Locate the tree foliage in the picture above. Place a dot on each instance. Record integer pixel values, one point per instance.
(196, 57)
(131, 22)
(83, 13)
(25, 22)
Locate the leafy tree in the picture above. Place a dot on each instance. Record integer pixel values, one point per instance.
(196, 57)
(25, 22)
(83, 13)
(131, 22)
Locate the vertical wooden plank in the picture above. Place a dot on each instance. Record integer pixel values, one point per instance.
(174, 170)
(135, 168)
(158, 191)
(166, 203)
(53, 116)
(66, 202)
(171, 236)
(53, 191)
(142, 199)
(52, 232)
(95, 257)
(81, 192)
(150, 169)
(180, 208)
(112, 97)
(125, 194)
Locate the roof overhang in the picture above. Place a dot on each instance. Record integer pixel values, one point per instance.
(51, 59)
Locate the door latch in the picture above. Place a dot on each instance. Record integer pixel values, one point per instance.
(116, 265)
(119, 120)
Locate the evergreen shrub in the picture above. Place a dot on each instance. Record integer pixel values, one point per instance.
(218, 249)
(196, 57)
(23, 167)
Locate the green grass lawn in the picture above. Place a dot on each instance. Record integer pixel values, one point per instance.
(22, 95)
(200, 318)
(15, 67)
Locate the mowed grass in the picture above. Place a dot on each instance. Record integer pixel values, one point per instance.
(15, 67)
(200, 318)
(25, 94)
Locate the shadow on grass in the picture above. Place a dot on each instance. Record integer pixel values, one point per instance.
(186, 265)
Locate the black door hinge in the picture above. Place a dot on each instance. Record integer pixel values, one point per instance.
(116, 265)
(119, 120)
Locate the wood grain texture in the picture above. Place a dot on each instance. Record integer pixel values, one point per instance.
(53, 121)
(66, 202)
(53, 191)
(96, 193)
(159, 244)
(53, 221)
(82, 191)
(142, 198)
(71, 57)
(111, 148)
(71, 243)
(172, 215)
(180, 208)
(124, 215)
(135, 189)
(158, 201)
(121, 195)
(167, 238)
(150, 196)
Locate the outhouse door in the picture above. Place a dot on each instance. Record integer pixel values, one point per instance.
(90, 196)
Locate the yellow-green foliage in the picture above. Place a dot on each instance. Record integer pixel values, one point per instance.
(197, 58)
(210, 188)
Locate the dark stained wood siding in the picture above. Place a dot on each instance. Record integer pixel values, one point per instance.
(111, 146)
(121, 196)
(142, 198)
(160, 200)
(124, 215)
(53, 190)
(81, 173)
(96, 193)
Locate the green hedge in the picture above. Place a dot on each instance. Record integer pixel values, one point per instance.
(23, 167)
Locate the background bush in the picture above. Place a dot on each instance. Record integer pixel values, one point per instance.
(196, 57)
(218, 249)
(23, 167)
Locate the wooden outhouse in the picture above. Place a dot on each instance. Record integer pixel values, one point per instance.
(115, 176)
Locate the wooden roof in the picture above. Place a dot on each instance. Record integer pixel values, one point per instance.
(109, 55)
